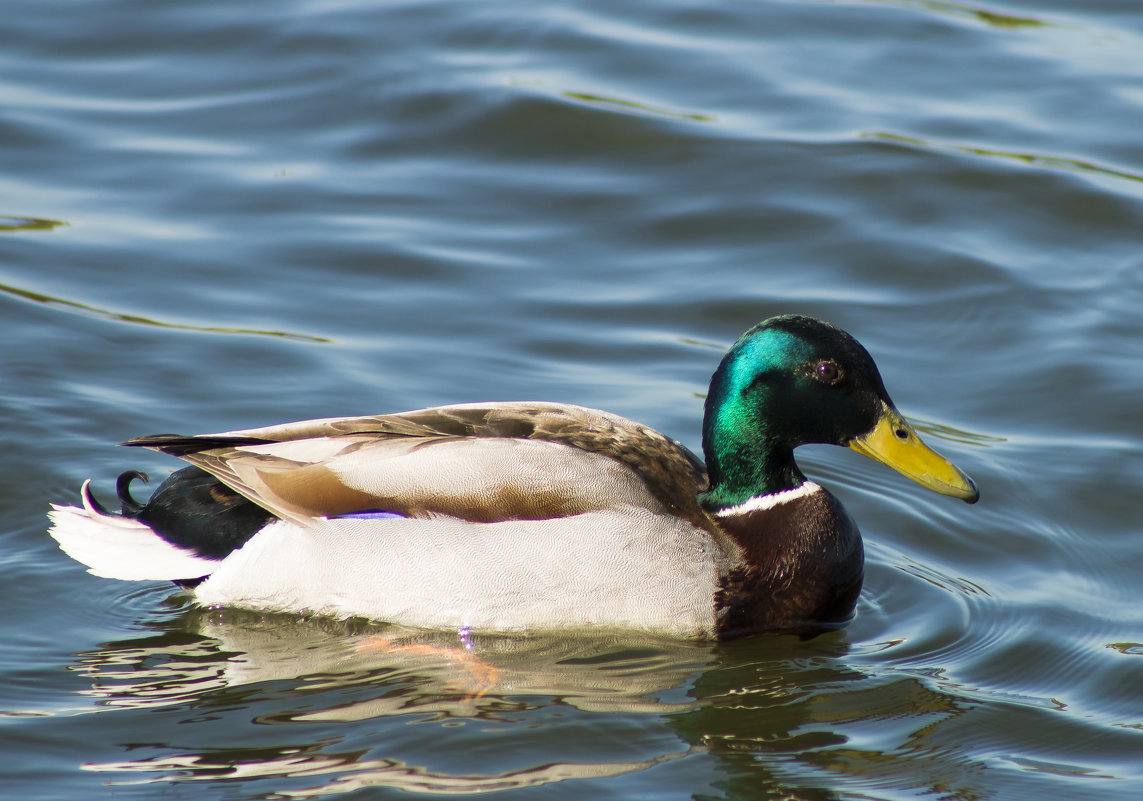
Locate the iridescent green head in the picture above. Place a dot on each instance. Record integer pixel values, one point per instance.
(793, 380)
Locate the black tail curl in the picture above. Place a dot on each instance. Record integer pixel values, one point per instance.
(191, 509)
(129, 506)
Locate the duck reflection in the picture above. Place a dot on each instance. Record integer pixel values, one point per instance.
(323, 672)
(761, 715)
(451, 674)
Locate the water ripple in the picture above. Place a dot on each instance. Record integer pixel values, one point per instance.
(961, 10)
(1030, 159)
(12, 223)
(135, 319)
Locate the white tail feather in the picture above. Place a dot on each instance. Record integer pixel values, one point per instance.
(121, 547)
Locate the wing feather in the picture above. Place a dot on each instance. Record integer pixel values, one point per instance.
(485, 462)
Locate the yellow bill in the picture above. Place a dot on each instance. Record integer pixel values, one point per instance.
(894, 442)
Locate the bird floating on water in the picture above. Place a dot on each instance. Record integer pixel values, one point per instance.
(532, 516)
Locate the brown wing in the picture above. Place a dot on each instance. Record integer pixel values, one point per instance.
(448, 460)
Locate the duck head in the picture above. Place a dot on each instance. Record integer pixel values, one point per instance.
(794, 380)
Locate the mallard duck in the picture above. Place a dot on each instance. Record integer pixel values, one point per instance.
(532, 516)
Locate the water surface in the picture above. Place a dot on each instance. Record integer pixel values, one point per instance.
(224, 215)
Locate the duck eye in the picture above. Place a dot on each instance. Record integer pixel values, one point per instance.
(827, 372)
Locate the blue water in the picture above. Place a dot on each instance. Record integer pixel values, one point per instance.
(227, 215)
